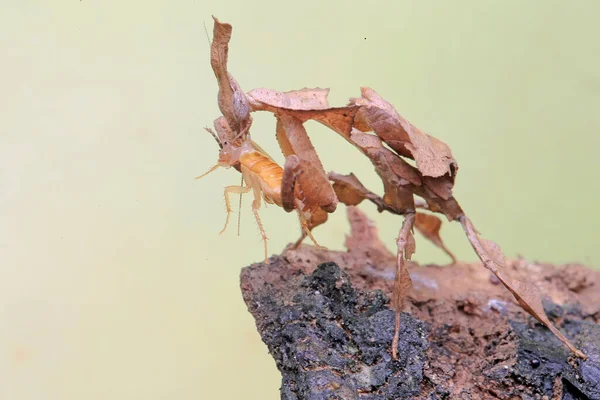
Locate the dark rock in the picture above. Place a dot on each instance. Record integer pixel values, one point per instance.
(330, 331)
(331, 341)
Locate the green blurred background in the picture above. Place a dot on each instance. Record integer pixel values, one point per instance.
(115, 284)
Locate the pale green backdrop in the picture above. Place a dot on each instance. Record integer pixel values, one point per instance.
(114, 283)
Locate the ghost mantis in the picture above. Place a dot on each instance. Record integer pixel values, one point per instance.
(379, 132)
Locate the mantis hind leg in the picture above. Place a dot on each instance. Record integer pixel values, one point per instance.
(232, 189)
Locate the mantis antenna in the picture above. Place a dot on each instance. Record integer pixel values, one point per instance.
(207, 37)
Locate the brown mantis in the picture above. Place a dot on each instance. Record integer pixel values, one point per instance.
(379, 132)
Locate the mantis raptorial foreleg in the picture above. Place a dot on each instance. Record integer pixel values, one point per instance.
(291, 172)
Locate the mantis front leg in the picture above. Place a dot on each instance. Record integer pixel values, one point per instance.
(291, 172)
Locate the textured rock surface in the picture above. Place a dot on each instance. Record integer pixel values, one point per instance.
(325, 318)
